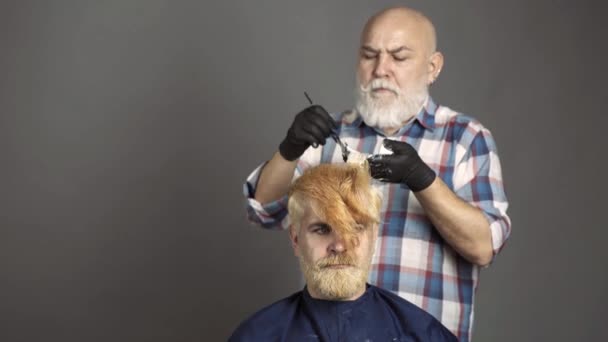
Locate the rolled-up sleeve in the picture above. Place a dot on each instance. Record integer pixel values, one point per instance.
(272, 215)
(478, 180)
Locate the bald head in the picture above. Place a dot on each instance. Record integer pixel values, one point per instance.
(409, 21)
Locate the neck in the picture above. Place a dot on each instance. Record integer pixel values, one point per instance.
(390, 131)
(316, 294)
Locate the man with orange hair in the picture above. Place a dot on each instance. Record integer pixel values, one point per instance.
(334, 213)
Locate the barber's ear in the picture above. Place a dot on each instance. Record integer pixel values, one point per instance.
(435, 66)
(293, 236)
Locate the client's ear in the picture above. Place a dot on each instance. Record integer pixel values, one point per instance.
(375, 232)
(293, 236)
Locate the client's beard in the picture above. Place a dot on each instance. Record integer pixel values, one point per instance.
(388, 113)
(335, 284)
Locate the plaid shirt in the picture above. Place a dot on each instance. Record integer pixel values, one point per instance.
(411, 258)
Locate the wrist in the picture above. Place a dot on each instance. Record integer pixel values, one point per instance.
(420, 178)
(290, 151)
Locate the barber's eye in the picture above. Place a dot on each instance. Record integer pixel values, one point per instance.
(368, 56)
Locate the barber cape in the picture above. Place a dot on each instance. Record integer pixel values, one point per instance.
(378, 315)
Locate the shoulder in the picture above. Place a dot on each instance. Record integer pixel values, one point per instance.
(462, 127)
(268, 323)
(413, 319)
(401, 304)
(446, 115)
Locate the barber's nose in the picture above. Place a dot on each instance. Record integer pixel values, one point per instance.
(381, 67)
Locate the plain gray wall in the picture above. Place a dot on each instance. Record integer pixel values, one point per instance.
(128, 127)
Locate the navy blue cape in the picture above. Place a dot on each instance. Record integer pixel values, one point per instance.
(378, 315)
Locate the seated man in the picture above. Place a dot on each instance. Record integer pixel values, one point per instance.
(334, 213)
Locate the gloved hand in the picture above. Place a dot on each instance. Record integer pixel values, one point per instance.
(309, 128)
(403, 166)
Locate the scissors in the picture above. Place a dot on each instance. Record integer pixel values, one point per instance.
(343, 146)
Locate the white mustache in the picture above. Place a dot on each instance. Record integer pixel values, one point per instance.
(379, 83)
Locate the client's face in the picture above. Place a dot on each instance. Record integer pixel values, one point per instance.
(335, 267)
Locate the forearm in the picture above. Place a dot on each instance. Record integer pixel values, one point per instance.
(462, 226)
(275, 179)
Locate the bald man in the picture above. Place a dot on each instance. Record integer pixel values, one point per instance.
(335, 213)
(444, 215)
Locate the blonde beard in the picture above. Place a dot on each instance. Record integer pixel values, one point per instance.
(383, 114)
(334, 284)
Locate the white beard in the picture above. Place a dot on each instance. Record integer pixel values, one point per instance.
(390, 113)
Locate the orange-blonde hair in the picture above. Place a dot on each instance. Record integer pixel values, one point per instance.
(339, 194)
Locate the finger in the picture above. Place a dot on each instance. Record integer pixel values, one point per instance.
(375, 158)
(398, 147)
(376, 165)
(380, 172)
(325, 115)
(315, 132)
(383, 159)
(303, 137)
(321, 122)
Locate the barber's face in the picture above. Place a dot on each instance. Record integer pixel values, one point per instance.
(334, 268)
(393, 60)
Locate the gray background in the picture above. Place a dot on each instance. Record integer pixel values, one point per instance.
(128, 127)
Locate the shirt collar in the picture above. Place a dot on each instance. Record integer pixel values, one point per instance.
(426, 117)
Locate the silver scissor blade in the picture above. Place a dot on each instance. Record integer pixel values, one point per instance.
(343, 147)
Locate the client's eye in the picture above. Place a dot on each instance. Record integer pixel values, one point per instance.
(321, 229)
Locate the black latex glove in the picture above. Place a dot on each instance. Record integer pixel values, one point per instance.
(311, 127)
(403, 166)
